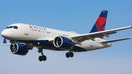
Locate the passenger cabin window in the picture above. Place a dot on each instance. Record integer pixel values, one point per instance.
(14, 27)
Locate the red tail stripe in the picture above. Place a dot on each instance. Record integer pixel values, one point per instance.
(100, 23)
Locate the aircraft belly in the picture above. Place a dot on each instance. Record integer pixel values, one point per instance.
(89, 45)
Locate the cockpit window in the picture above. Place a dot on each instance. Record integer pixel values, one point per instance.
(14, 27)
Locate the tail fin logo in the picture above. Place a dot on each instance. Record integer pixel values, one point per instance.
(100, 23)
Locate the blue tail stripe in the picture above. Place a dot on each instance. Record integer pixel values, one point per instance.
(103, 14)
(94, 29)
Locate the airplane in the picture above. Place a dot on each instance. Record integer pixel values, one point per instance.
(23, 37)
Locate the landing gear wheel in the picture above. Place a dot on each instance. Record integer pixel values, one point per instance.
(69, 54)
(42, 58)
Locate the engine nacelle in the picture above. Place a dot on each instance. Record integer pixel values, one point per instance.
(62, 42)
(19, 48)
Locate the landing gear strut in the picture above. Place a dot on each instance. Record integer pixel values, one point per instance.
(69, 54)
(42, 57)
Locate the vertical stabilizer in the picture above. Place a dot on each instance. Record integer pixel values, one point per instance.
(100, 22)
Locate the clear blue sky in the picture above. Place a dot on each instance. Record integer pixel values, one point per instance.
(75, 15)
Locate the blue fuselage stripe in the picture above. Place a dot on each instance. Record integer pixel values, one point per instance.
(45, 44)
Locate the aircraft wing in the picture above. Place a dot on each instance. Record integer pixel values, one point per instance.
(83, 37)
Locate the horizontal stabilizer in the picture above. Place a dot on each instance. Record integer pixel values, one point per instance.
(116, 40)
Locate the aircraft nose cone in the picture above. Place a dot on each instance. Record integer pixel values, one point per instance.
(4, 34)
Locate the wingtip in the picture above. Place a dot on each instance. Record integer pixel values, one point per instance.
(130, 26)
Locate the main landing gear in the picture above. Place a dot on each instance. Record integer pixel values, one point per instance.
(42, 57)
(69, 54)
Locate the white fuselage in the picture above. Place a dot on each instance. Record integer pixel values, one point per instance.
(26, 32)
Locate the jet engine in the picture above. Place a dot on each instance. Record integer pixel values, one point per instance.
(19, 48)
(62, 42)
